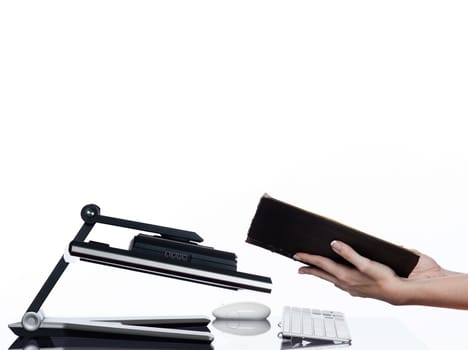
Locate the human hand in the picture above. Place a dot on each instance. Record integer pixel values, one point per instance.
(428, 268)
(367, 279)
(428, 283)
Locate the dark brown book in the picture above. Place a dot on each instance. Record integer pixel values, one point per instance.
(287, 230)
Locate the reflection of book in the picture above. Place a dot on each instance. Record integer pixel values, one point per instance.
(285, 229)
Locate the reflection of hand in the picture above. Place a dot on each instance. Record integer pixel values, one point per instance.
(369, 279)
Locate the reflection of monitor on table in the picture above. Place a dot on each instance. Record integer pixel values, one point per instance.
(171, 252)
(114, 343)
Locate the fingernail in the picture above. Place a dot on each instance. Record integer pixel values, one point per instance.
(297, 257)
(336, 245)
(301, 271)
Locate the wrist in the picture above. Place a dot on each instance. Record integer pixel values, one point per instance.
(399, 293)
(451, 273)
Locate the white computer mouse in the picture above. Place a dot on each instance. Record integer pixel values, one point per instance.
(242, 311)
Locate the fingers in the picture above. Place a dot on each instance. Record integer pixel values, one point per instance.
(339, 271)
(364, 265)
(321, 262)
(366, 279)
(361, 263)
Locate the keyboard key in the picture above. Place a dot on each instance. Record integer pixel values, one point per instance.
(341, 329)
(296, 321)
(307, 322)
(329, 328)
(286, 319)
(319, 328)
(316, 312)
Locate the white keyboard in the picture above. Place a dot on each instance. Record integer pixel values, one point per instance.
(313, 324)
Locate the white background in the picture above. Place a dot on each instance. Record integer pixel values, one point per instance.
(183, 113)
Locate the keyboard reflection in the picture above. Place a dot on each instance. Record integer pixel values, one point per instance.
(288, 344)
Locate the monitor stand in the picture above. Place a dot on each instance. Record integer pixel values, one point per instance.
(190, 328)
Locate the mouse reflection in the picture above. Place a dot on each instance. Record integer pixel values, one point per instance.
(242, 327)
